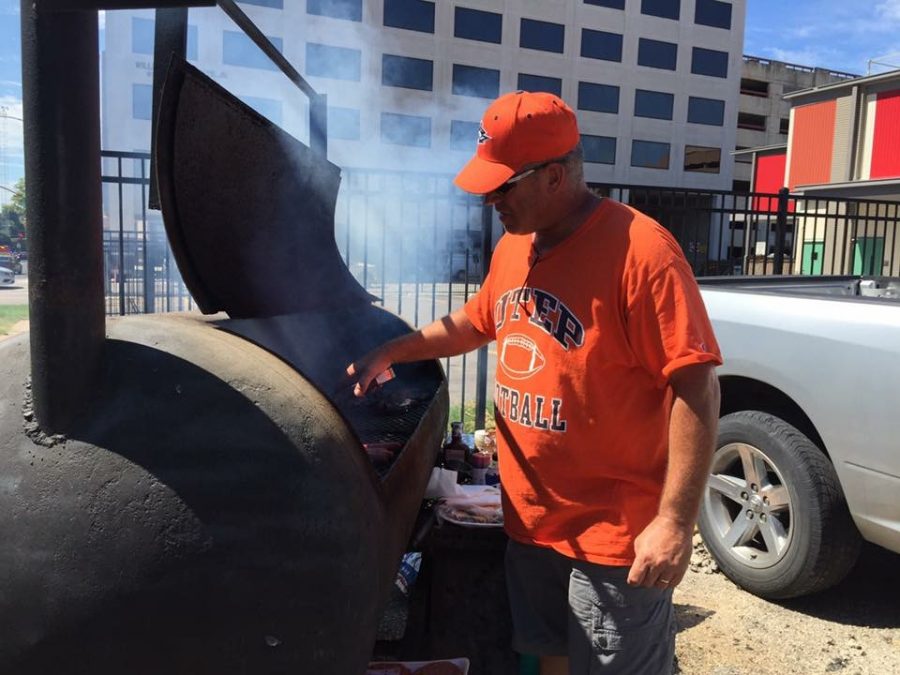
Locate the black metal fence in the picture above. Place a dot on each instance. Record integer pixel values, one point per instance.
(421, 246)
(726, 233)
(140, 274)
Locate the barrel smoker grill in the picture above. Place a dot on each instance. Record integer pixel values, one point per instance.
(214, 510)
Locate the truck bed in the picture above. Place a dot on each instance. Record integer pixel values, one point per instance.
(869, 287)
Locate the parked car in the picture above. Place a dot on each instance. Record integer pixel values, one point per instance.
(10, 261)
(807, 463)
(7, 277)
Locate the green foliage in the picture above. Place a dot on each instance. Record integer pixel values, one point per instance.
(10, 315)
(12, 219)
(467, 417)
(17, 201)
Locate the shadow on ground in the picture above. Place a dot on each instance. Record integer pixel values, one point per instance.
(869, 596)
(688, 616)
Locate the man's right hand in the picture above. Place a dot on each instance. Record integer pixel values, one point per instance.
(451, 335)
(362, 372)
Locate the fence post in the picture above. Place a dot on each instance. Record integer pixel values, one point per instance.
(780, 227)
(487, 226)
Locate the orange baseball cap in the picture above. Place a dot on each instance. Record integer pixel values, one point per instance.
(518, 129)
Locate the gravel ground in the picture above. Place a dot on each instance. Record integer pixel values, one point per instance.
(853, 628)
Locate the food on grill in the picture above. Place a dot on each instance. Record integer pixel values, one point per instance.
(388, 669)
(439, 668)
(433, 668)
(397, 401)
(382, 453)
(392, 400)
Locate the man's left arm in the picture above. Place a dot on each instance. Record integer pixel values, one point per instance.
(663, 549)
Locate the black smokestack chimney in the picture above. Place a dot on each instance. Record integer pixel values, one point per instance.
(63, 208)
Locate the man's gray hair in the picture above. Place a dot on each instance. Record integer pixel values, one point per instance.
(574, 162)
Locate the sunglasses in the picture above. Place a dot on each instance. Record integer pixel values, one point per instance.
(512, 182)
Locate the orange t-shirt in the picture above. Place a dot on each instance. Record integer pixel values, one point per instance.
(587, 338)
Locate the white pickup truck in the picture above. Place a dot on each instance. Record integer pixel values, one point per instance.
(808, 455)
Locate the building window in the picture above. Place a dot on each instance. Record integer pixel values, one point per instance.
(542, 35)
(267, 107)
(751, 121)
(613, 4)
(343, 123)
(143, 36)
(743, 159)
(337, 63)
(275, 4)
(667, 9)
(598, 44)
(657, 54)
(239, 50)
(474, 24)
(706, 111)
(406, 130)
(350, 10)
(784, 126)
(477, 82)
(599, 149)
(598, 97)
(704, 160)
(142, 101)
(552, 85)
(463, 135)
(754, 87)
(409, 14)
(713, 13)
(709, 62)
(404, 71)
(655, 104)
(650, 154)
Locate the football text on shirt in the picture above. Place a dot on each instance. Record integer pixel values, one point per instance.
(541, 309)
(529, 410)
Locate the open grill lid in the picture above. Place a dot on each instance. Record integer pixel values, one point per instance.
(248, 209)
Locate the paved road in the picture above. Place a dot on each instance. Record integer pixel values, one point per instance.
(17, 294)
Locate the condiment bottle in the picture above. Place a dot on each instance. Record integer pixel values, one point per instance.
(455, 450)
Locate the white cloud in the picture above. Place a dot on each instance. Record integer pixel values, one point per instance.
(101, 18)
(808, 56)
(889, 10)
(12, 151)
(11, 140)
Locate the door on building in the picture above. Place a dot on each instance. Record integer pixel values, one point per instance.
(868, 255)
(813, 257)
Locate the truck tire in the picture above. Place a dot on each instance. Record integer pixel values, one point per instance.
(773, 514)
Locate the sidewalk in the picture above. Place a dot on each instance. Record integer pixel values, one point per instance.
(18, 327)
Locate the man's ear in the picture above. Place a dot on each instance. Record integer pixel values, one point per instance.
(557, 175)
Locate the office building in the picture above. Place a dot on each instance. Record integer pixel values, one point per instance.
(655, 82)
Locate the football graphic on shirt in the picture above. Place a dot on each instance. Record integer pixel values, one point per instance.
(520, 357)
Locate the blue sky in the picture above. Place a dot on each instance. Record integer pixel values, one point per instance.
(835, 34)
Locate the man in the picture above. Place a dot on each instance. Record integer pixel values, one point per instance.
(606, 397)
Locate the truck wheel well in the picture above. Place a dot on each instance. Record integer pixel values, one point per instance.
(744, 393)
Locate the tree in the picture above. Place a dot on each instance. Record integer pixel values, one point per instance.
(17, 201)
(12, 218)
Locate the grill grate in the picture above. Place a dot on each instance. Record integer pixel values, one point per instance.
(378, 426)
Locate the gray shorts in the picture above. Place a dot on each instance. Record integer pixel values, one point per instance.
(562, 606)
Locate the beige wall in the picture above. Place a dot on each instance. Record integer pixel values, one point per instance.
(831, 225)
